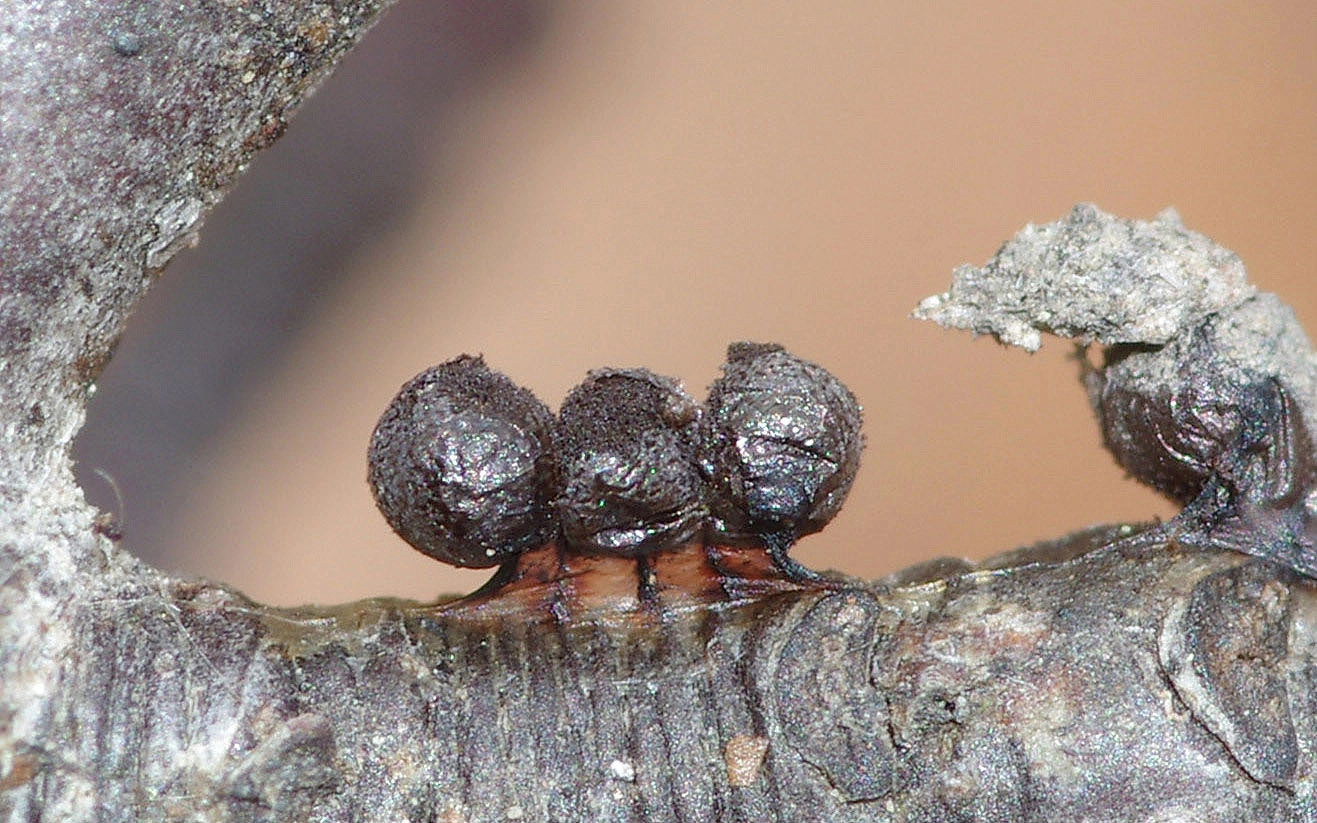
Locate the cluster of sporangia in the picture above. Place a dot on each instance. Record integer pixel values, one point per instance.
(473, 470)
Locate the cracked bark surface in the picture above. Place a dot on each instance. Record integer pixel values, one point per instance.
(1160, 672)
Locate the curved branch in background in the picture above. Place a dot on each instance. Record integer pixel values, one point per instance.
(122, 126)
(1158, 672)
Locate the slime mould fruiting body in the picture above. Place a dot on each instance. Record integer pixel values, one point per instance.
(635, 496)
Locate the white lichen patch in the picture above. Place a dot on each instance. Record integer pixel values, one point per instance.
(1095, 278)
(622, 770)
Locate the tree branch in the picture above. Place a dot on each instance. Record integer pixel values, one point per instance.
(1154, 672)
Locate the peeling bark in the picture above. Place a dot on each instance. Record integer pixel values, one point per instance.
(1134, 673)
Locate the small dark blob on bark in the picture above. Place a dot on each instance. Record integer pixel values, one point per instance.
(126, 43)
(628, 447)
(781, 445)
(462, 465)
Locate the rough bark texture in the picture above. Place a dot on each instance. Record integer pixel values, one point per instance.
(1109, 686)
(1154, 673)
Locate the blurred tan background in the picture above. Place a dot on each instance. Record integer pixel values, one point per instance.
(567, 185)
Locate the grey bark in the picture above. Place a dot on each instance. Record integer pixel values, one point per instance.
(1134, 673)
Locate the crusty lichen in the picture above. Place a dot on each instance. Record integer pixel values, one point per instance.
(1096, 278)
